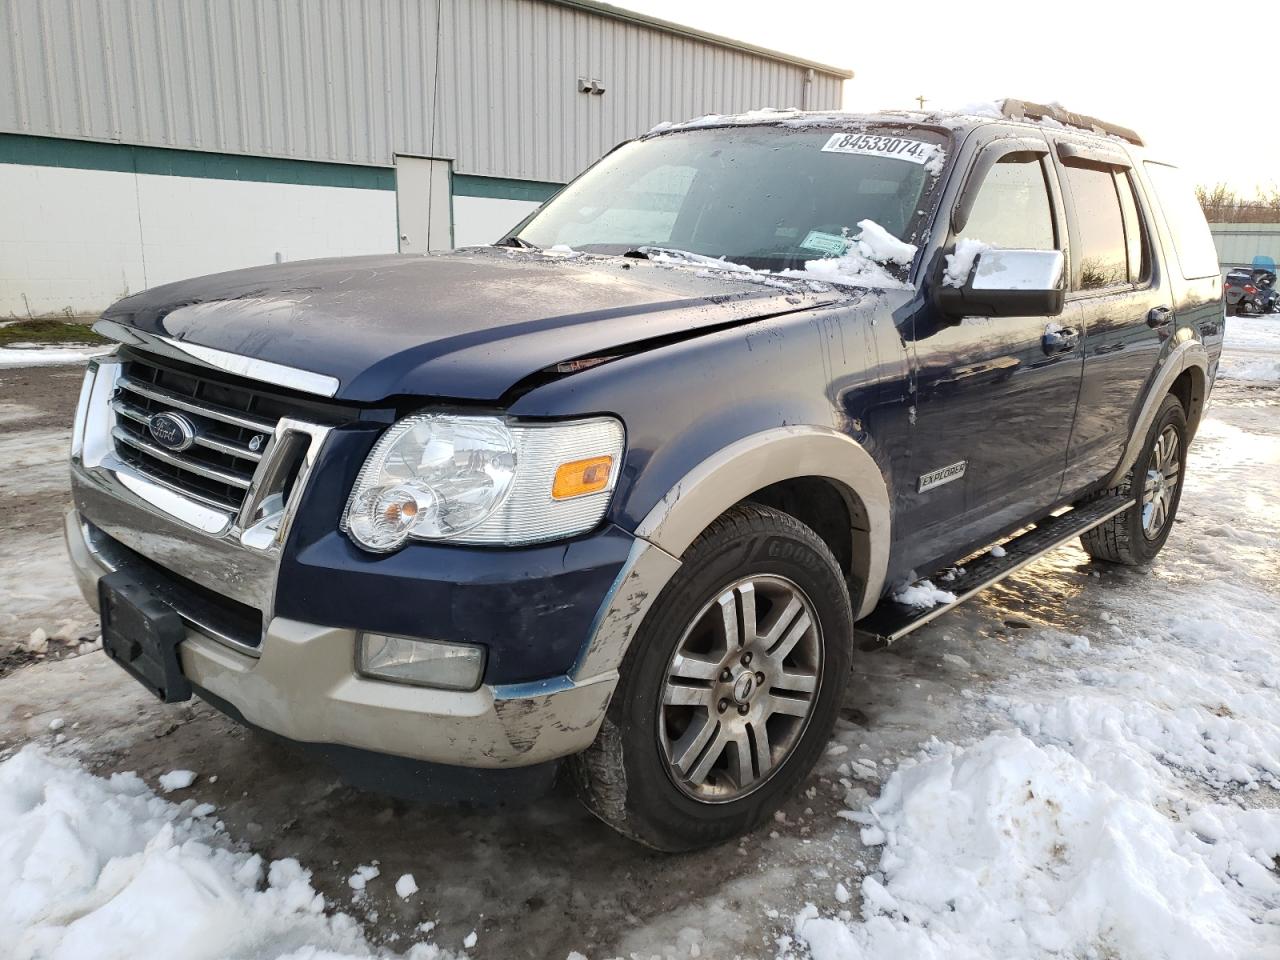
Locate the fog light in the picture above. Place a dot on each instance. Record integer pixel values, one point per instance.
(427, 663)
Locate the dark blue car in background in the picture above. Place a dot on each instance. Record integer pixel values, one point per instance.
(624, 487)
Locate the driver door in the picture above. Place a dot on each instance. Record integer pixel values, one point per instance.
(995, 397)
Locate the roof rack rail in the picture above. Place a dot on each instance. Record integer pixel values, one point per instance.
(1022, 109)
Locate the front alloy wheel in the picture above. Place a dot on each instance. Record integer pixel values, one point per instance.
(729, 689)
(740, 688)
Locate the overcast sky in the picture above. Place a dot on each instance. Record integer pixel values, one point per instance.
(1156, 67)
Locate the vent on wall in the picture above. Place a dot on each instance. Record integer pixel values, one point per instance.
(595, 87)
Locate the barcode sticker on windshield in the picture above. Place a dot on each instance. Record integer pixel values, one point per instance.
(879, 145)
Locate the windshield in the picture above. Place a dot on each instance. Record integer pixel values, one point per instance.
(771, 198)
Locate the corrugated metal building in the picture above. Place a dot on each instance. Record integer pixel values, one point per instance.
(142, 141)
(1247, 244)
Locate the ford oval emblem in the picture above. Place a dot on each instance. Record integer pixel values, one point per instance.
(172, 431)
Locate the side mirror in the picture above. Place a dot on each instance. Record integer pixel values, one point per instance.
(1004, 283)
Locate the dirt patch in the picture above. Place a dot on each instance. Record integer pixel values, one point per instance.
(39, 398)
(42, 616)
(47, 331)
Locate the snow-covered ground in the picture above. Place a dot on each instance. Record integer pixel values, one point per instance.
(37, 354)
(101, 867)
(1084, 762)
(1254, 353)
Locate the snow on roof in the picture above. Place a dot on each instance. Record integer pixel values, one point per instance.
(791, 117)
(951, 118)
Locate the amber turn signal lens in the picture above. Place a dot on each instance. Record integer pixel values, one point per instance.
(581, 477)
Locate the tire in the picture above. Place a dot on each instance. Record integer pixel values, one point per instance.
(683, 676)
(1135, 536)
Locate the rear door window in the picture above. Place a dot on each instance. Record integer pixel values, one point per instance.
(1135, 231)
(1102, 251)
(1192, 241)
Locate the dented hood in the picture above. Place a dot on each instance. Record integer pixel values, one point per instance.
(467, 325)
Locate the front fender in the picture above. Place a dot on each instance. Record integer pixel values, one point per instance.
(712, 487)
(769, 457)
(715, 418)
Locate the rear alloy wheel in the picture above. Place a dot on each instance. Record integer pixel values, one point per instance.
(1161, 483)
(729, 689)
(1155, 484)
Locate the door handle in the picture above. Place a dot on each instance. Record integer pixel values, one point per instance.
(1159, 317)
(1060, 339)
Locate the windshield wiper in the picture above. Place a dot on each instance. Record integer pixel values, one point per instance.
(520, 242)
(685, 258)
(650, 252)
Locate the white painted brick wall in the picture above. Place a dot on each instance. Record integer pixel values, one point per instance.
(77, 240)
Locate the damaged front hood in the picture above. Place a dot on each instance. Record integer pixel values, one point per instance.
(466, 325)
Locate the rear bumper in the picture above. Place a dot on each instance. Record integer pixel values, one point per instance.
(302, 685)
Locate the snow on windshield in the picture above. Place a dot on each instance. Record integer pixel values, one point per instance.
(863, 262)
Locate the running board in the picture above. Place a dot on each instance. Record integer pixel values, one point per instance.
(891, 621)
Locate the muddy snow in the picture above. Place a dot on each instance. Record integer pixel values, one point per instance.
(1083, 762)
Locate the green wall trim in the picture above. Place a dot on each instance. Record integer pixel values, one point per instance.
(468, 185)
(33, 151)
(126, 158)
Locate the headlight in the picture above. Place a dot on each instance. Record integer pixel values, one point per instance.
(483, 480)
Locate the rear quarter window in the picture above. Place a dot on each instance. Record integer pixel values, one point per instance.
(1193, 243)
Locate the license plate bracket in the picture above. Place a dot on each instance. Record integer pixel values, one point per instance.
(141, 633)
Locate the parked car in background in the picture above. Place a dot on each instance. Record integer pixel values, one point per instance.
(621, 488)
(1251, 291)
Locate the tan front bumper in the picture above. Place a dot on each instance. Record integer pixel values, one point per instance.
(304, 686)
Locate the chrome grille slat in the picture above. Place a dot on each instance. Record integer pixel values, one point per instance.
(213, 411)
(121, 435)
(138, 415)
(232, 426)
(190, 494)
(227, 447)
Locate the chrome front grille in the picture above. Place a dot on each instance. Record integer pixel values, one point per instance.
(211, 503)
(233, 425)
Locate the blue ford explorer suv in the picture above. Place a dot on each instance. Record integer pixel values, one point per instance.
(624, 487)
